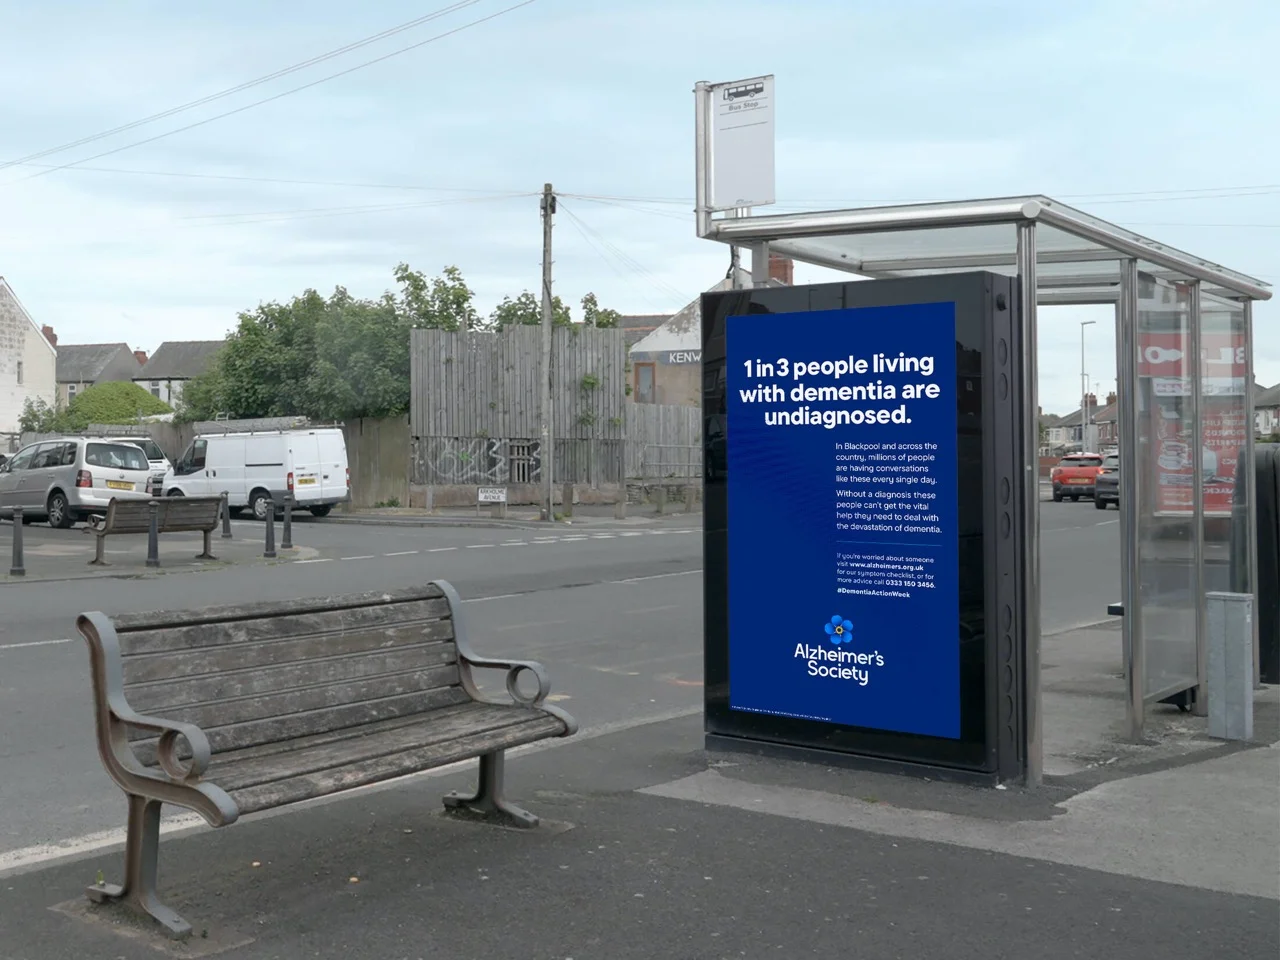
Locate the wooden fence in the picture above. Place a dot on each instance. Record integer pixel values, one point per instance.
(475, 408)
(663, 442)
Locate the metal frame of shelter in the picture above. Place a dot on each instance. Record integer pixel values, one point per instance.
(1061, 256)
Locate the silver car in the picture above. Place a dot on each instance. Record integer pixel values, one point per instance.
(66, 480)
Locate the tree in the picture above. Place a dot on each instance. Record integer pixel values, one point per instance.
(444, 302)
(594, 315)
(526, 309)
(115, 403)
(37, 417)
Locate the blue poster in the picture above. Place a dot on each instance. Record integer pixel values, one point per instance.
(842, 517)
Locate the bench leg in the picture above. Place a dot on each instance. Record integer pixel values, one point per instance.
(488, 803)
(207, 553)
(141, 863)
(98, 545)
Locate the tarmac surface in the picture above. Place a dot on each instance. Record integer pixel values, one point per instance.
(627, 866)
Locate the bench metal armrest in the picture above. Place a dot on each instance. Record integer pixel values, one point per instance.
(468, 658)
(115, 716)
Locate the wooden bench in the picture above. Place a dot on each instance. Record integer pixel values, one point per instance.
(274, 703)
(174, 515)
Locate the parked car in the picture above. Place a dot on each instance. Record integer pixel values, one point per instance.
(1106, 488)
(256, 467)
(1075, 475)
(155, 458)
(65, 480)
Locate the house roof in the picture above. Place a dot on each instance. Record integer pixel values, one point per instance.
(1267, 399)
(84, 362)
(180, 359)
(637, 325)
(683, 330)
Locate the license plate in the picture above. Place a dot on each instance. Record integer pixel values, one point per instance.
(1077, 480)
(119, 485)
(303, 481)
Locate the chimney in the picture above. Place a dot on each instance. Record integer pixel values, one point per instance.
(782, 268)
(49, 335)
(1111, 398)
(1091, 400)
(141, 356)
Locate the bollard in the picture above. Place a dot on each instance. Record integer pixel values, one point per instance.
(17, 569)
(620, 508)
(689, 493)
(226, 515)
(269, 551)
(153, 536)
(286, 539)
(566, 500)
(660, 499)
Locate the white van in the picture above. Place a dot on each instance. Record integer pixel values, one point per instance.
(255, 467)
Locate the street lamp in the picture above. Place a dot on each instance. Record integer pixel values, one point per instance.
(1084, 385)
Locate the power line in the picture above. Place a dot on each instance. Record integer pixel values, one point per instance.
(305, 86)
(628, 276)
(240, 88)
(359, 185)
(626, 258)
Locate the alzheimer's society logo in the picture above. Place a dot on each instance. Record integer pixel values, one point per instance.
(838, 661)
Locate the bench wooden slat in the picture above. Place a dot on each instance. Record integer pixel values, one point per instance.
(196, 633)
(273, 729)
(166, 698)
(363, 772)
(126, 623)
(217, 717)
(175, 667)
(242, 769)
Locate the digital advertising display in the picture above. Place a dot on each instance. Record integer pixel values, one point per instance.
(843, 579)
(864, 492)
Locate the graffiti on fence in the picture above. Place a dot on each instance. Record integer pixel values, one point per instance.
(476, 460)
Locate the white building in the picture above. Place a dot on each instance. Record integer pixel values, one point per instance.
(28, 364)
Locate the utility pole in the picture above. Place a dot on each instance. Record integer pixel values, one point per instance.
(546, 440)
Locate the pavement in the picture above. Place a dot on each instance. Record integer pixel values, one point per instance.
(647, 850)
(651, 847)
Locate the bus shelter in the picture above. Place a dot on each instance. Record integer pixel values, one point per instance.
(1187, 504)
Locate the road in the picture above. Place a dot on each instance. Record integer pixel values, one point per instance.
(616, 616)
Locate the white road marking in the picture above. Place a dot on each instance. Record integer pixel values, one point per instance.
(34, 643)
(478, 546)
(441, 549)
(572, 539)
(500, 596)
(1103, 523)
(658, 576)
(402, 553)
(367, 556)
(320, 560)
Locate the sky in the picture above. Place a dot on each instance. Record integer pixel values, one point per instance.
(1158, 116)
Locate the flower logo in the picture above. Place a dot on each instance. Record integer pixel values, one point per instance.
(840, 630)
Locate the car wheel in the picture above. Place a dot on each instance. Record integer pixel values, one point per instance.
(321, 511)
(59, 511)
(1100, 504)
(174, 493)
(1075, 499)
(258, 504)
(1057, 497)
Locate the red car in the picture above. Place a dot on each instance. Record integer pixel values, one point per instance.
(1076, 476)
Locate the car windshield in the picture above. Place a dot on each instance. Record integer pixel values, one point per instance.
(147, 446)
(117, 456)
(1112, 462)
(1081, 462)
